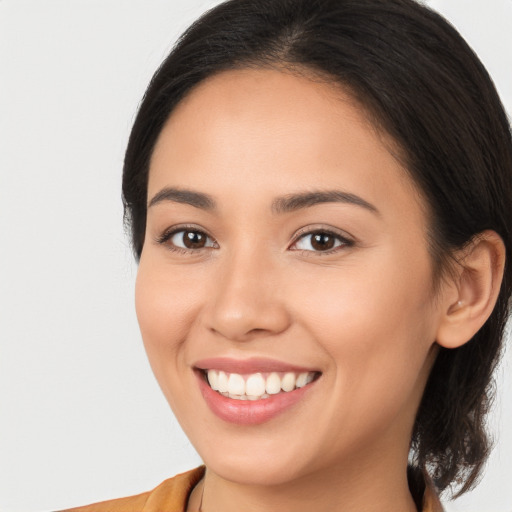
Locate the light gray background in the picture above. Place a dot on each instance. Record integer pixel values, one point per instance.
(81, 416)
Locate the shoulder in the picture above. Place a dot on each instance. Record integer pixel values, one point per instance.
(171, 495)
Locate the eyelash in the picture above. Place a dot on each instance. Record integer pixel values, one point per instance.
(170, 233)
(302, 234)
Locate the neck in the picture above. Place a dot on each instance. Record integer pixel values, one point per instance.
(341, 489)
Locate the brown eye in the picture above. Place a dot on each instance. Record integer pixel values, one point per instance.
(320, 241)
(190, 239)
(193, 239)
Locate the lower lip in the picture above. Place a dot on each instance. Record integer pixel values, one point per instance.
(249, 412)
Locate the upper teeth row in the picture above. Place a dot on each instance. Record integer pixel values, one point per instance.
(256, 385)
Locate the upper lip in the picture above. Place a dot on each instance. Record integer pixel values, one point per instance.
(251, 365)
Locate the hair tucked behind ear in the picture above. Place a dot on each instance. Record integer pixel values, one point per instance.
(423, 85)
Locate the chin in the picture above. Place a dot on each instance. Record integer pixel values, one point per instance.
(251, 469)
(260, 459)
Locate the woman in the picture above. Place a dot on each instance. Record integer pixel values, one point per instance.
(320, 199)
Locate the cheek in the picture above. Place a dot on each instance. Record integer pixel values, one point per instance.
(165, 302)
(377, 325)
(370, 302)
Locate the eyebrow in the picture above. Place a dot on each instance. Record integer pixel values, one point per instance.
(285, 204)
(197, 199)
(293, 202)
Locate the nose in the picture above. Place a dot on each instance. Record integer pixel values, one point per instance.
(248, 302)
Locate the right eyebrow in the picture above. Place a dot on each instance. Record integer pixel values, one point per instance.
(196, 199)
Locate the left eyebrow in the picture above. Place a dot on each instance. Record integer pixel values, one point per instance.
(293, 202)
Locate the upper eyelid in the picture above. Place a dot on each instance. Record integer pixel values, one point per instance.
(320, 229)
(184, 227)
(347, 241)
(171, 231)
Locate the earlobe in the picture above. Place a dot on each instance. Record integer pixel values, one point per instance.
(474, 290)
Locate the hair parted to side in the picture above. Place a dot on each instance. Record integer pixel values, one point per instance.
(421, 83)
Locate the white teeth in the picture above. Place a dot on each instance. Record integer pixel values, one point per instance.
(237, 397)
(213, 379)
(302, 380)
(255, 386)
(236, 384)
(222, 382)
(288, 382)
(273, 385)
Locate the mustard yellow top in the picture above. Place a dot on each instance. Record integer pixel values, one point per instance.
(172, 496)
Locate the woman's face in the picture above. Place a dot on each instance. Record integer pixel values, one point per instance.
(285, 247)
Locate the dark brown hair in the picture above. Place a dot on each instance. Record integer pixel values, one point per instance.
(422, 84)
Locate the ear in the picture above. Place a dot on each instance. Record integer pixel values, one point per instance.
(470, 295)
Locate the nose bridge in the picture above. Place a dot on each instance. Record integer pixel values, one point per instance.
(247, 302)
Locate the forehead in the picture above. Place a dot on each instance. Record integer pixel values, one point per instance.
(269, 130)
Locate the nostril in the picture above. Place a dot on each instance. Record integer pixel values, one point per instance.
(256, 331)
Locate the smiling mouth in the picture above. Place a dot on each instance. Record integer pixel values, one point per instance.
(256, 386)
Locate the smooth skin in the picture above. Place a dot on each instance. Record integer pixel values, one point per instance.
(360, 307)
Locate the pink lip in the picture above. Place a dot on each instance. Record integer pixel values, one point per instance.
(245, 366)
(248, 412)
